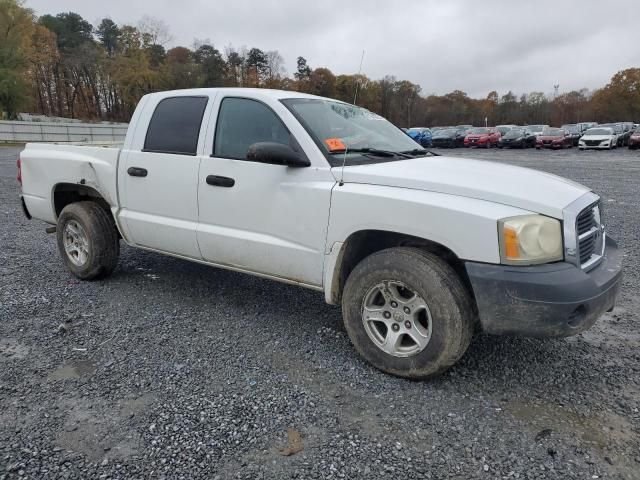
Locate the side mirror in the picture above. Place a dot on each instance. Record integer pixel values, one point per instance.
(276, 154)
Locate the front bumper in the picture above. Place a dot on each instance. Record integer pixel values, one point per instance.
(553, 146)
(600, 146)
(552, 300)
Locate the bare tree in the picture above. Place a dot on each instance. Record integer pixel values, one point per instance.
(154, 31)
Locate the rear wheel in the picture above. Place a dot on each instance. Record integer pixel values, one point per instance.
(407, 312)
(88, 240)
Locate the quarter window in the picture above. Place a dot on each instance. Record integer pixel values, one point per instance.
(243, 122)
(175, 125)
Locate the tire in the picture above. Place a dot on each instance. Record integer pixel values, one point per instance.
(92, 251)
(448, 317)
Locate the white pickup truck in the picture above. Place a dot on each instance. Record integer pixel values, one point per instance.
(419, 249)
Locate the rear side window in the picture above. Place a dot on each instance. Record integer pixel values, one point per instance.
(243, 122)
(175, 125)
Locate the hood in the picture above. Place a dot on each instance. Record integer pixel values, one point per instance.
(494, 182)
(550, 137)
(597, 137)
(478, 136)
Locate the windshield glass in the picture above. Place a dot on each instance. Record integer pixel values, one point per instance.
(447, 132)
(338, 126)
(553, 132)
(613, 126)
(515, 133)
(598, 131)
(479, 131)
(536, 128)
(571, 128)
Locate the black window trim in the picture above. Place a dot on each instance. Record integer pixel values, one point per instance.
(241, 97)
(148, 150)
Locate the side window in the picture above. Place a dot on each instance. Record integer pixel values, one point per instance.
(243, 122)
(175, 125)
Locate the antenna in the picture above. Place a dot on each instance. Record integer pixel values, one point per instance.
(355, 97)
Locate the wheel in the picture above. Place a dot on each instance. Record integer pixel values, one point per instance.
(88, 240)
(407, 312)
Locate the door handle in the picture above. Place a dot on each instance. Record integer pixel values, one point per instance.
(137, 172)
(218, 181)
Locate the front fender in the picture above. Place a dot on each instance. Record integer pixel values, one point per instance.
(466, 226)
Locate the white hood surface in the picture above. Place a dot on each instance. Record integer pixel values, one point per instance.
(518, 187)
(597, 137)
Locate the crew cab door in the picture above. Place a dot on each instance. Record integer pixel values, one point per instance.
(158, 175)
(264, 218)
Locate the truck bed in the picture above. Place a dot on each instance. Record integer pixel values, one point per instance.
(49, 166)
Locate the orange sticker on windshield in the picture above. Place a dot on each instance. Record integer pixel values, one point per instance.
(334, 144)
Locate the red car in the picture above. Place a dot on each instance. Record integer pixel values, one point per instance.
(482, 137)
(554, 138)
(634, 139)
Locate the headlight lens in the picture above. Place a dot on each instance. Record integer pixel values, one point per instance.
(530, 239)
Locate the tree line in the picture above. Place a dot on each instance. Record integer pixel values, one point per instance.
(62, 65)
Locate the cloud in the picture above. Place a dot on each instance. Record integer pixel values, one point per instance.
(441, 45)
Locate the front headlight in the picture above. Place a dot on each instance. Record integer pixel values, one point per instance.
(530, 239)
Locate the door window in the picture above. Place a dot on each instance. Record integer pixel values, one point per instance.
(175, 125)
(243, 122)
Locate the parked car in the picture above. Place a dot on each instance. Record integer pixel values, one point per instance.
(618, 129)
(518, 137)
(554, 138)
(449, 138)
(421, 135)
(503, 129)
(486, 137)
(573, 129)
(329, 196)
(536, 129)
(628, 128)
(634, 139)
(599, 137)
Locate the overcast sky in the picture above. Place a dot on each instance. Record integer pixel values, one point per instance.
(475, 46)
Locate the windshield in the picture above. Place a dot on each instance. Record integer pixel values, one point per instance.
(536, 128)
(599, 131)
(446, 132)
(479, 131)
(515, 133)
(571, 128)
(338, 126)
(553, 132)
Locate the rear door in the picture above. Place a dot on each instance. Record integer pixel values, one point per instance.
(264, 218)
(158, 177)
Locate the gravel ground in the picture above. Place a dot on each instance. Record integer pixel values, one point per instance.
(173, 369)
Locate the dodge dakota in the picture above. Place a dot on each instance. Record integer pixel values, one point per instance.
(419, 249)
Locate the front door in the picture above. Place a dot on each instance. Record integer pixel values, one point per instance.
(263, 218)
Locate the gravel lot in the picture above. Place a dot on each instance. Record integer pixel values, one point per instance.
(173, 369)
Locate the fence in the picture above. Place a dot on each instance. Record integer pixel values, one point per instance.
(21, 132)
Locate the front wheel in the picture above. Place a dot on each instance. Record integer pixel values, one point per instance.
(407, 312)
(88, 240)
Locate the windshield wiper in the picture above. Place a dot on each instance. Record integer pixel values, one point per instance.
(420, 151)
(375, 151)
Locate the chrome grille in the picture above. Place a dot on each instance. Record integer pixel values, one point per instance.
(590, 234)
